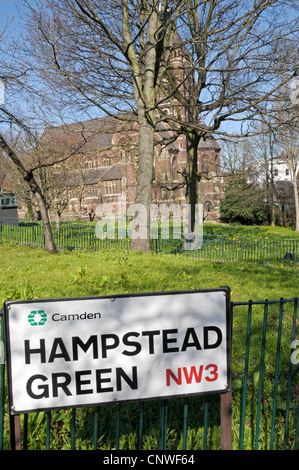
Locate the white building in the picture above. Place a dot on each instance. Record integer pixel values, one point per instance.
(281, 170)
(256, 173)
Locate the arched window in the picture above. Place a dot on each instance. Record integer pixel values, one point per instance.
(88, 164)
(105, 161)
(205, 169)
(207, 207)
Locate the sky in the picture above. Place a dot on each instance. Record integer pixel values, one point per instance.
(9, 15)
(8, 11)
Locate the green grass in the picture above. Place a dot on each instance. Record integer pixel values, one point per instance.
(253, 231)
(31, 272)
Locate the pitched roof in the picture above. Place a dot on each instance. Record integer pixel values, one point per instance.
(87, 135)
(209, 144)
(90, 176)
(115, 173)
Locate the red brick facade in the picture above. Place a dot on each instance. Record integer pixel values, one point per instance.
(105, 167)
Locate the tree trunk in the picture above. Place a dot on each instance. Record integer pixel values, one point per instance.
(141, 237)
(29, 177)
(49, 241)
(296, 194)
(192, 176)
(272, 186)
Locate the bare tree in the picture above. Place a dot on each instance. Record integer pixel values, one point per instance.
(3, 170)
(114, 56)
(289, 144)
(110, 57)
(31, 160)
(14, 74)
(280, 121)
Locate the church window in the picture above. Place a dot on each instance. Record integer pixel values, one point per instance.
(111, 188)
(122, 155)
(91, 191)
(207, 207)
(73, 193)
(205, 169)
(88, 164)
(105, 161)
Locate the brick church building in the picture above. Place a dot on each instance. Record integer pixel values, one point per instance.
(104, 162)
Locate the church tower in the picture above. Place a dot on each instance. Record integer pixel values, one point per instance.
(208, 154)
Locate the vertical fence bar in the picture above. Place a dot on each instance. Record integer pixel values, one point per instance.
(117, 427)
(48, 430)
(276, 374)
(185, 423)
(261, 377)
(163, 424)
(141, 419)
(297, 429)
(290, 379)
(25, 431)
(2, 382)
(205, 420)
(243, 409)
(95, 429)
(73, 428)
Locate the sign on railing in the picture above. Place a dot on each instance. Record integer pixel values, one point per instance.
(65, 353)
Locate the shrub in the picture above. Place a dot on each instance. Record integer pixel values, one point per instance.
(243, 203)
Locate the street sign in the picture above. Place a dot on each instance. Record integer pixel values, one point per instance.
(64, 353)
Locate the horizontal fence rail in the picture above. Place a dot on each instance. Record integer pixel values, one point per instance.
(265, 399)
(214, 247)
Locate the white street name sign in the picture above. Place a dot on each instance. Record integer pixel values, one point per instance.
(64, 353)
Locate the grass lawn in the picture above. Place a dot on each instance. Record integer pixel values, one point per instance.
(253, 231)
(31, 272)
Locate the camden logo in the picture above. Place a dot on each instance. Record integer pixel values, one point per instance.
(37, 317)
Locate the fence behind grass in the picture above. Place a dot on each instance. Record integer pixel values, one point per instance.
(265, 400)
(214, 247)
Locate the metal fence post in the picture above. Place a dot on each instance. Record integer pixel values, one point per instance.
(226, 398)
(226, 420)
(15, 432)
(2, 380)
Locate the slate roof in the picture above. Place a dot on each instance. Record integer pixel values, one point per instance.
(89, 176)
(115, 173)
(94, 133)
(209, 144)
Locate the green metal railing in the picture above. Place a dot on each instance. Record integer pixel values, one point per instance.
(270, 379)
(265, 399)
(214, 247)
